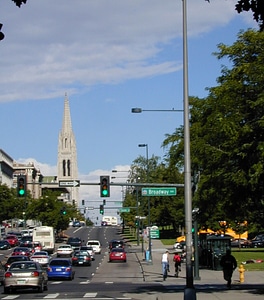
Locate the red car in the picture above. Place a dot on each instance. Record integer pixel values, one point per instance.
(117, 254)
(12, 240)
(21, 251)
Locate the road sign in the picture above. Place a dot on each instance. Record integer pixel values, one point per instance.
(154, 234)
(72, 183)
(159, 191)
(124, 209)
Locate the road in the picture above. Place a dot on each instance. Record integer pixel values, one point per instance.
(101, 280)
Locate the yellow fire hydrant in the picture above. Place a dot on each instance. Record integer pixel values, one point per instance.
(241, 271)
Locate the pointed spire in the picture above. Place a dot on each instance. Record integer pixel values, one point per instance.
(66, 125)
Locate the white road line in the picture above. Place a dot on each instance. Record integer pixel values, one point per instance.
(51, 296)
(10, 297)
(89, 295)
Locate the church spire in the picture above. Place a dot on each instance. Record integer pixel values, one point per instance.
(66, 125)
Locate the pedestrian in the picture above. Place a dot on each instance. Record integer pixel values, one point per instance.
(177, 263)
(165, 264)
(229, 264)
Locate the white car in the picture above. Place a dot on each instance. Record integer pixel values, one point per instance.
(41, 257)
(64, 250)
(96, 246)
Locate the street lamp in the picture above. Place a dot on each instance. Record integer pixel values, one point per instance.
(146, 146)
(137, 110)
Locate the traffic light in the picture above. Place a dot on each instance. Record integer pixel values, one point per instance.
(21, 185)
(63, 211)
(2, 36)
(104, 202)
(101, 209)
(104, 186)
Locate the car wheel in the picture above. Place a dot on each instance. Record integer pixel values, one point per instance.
(125, 260)
(40, 288)
(6, 290)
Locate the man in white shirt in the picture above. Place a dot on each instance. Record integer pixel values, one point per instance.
(165, 264)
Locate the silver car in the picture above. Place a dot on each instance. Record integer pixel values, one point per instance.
(25, 274)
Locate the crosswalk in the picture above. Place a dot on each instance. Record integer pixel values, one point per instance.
(58, 296)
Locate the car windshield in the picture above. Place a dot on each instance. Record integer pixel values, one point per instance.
(19, 266)
(118, 250)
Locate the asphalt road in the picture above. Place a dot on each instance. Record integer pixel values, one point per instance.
(100, 280)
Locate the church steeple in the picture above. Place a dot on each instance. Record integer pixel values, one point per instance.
(67, 154)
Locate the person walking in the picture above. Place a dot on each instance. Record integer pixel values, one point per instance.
(165, 264)
(177, 263)
(229, 264)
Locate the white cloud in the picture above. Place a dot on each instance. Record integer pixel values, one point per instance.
(53, 46)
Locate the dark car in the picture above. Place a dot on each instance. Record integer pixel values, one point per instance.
(21, 251)
(75, 242)
(243, 243)
(4, 245)
(116, 244)
(258, 241)
(26, 239)
(81, 258)
(12, 259)
(2, 273)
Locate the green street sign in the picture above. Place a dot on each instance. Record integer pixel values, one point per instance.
(124, 209)
(159, 191)
(155, 234)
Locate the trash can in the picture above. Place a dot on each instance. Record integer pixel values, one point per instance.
(147, 255)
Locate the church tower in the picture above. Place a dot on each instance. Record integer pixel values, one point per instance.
(67, 154)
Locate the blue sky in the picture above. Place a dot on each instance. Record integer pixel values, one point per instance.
(108, 56)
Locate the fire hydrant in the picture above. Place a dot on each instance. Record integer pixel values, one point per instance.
(241, 271)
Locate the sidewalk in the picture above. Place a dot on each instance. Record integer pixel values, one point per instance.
(210, 285)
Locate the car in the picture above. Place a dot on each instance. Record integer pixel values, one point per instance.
(96, 246)
(75, 242)
(90, 251)
(2, 273)
(41, 257)
(103, 223)
(117, 254)
(25, 274)
(81, 258)
(116, 244)
(243, 243)
(12, 259)
(12, 240)
(4, 245)
(37, 246)
(26, 239)
(16, 233)
(64, 250)
(60, 268)
(257, 242)
(76, 224)
(21, 251)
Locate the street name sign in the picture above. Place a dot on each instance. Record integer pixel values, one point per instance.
(159, 191)
(69, 183)
(124, 209)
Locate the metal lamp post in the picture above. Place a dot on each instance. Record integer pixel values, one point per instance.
(146, 146)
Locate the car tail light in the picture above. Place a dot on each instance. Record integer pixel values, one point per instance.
(35, 274)
(49, 269)
(8, 274)
(74, 258)
(87, 258)
(68, 269)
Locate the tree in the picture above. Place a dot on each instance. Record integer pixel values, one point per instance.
(19, 2)
(227, 137)
(256, 6)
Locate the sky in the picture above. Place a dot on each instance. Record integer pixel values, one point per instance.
(108, 56)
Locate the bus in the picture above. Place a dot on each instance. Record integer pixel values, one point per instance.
(45, 235)
(110, 221)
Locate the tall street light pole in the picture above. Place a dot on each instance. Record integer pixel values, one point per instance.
(146, 146)
(189, 291)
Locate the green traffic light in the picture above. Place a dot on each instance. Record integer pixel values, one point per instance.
(22, 192)
(105, 192)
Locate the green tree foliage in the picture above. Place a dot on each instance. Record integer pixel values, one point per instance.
(227, 137)
(19, 2)
(163, 210)
(256, 6)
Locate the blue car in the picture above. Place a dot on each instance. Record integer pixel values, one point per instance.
(60, 268)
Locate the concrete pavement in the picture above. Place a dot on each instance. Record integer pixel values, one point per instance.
(209, 286)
